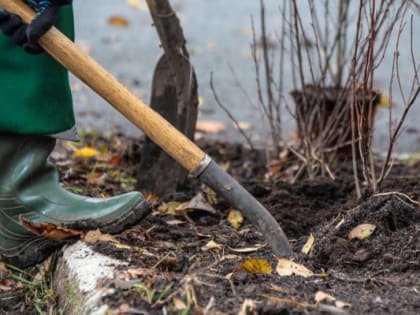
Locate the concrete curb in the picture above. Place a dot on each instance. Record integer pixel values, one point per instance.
(81, 280)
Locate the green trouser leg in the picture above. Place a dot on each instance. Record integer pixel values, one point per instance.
(29, 187)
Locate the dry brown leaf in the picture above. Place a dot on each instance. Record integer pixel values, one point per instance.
(96, 178)
(115, 161)
(169, 208)
(362, 231)
(235, 218)
(286, 267)
(179, 305)
(208, 126)
(118, 21)
(3, 268)
(95, 236)
(49, 230)
(198, 202)
(255, 266)
(211, 245)
(7, 285)
(150, 197)
(274, 167)
(306, 249)
(321, 296)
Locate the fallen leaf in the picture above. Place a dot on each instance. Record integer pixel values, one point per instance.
(306, 249)
(118, 21)
(362, 231)
(321, 296)
(274, 167)
(96, 178)
(115, 161)
(138, 4)
(383, 100)
(208, 126)
(179, 304)
(235, 218)
(151, 198)
(255, 266)
(211, 245)
(198, 202)
(49, 230)
(3, 268)
(168, 208)
(85, 153)
(95, 236)
(286, 267)
(7, 285)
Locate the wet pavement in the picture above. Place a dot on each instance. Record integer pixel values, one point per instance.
(218, 36)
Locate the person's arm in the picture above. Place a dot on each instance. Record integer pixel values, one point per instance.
(27, 35)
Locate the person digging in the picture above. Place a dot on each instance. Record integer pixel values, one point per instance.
(36, 109)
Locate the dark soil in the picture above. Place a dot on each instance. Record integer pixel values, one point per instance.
(377, 275)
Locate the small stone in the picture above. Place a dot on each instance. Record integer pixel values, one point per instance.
(361, 255)
(388, 258)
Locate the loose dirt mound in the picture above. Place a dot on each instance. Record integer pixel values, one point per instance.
(393, 246)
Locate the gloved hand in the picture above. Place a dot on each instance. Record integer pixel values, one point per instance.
(27, 35)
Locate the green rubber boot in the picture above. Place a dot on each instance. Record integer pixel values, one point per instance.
(29, 187)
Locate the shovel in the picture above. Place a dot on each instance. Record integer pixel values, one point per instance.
(172, 141)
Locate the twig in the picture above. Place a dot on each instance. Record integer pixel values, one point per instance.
(230, 115)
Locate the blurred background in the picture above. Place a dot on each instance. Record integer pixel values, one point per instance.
(119, 35)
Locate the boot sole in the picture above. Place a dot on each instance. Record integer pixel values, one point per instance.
(27, 255)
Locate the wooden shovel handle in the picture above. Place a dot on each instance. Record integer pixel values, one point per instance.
(102, 82)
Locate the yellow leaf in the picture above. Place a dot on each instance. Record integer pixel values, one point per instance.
(306, 249)
(286, 267)
(362, 231)
(85, 153)
(138, 4)
(235, 218)
(384, 100)
(118, 21)
(169, 208)
(256, 266)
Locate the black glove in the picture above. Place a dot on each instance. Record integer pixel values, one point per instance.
(27, 35)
